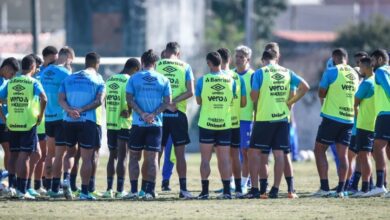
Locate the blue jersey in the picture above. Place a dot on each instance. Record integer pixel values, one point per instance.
(81, 89)
(148, 89)
(51, 78)
(4, 109)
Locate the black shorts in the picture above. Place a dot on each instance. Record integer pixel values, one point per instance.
(331, 131)
(55, 129)
(268, 136)
(352, 145)
(99, 136)
(382, 127)
(41, 137)
(82, 133)
(216, 137)
(235, 137)
(364, 140)
(4, 133)
(23, 141)
(175, 124)
(145, 138)
(114, 135)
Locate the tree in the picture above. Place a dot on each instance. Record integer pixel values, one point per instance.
(366, 36)
(225, 24)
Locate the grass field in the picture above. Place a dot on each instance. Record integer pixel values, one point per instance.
(168, 206)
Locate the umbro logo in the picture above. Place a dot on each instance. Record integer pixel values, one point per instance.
(114, 86)
(218, 87)
(149, 78)
(350, 76)
(169, 69)
(18, 88)
(277, 76)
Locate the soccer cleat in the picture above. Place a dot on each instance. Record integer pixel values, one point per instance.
(165, 186)
(185, 195)
(95, 194)
(67, 191)
(109, 194)
(387, 195)
(292, 195)
(253, 194)
(244, 189)
(120, 195)
(265, 196)
(141, 194)
(41, 191)
(377, 192)
(239, 195)
(203, 196)
(148, 196)
(358, 194)
(224, 196)
(321, 193)
(54, 195)
(130, 195)
(351, 192)
(76, 193)
(87, 197)
(12, 192)
(337, 195)
(25, 196)
(33, 193)
(221, 190)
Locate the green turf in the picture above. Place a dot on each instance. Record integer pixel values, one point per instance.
(168, 206)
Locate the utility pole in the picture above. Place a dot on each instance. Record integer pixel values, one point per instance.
(35, 24)
(248, 22)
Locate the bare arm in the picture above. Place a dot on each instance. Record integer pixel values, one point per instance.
(99, 99)
(64, 104)
(199, 100)
(356, 106)
(243, 101)
(187, 94)
(322, 94)
(42, 102)
(302, 90)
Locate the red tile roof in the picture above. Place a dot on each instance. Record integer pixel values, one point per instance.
(306, 36)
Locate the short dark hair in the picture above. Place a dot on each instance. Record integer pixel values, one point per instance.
(172, 47)
(66, 51)
(225, 54)
(269, 54)
(27, 62)
(92, 59)
(12, 62)
(130, 64)
(340, 53)
(38, 60)
(361, 54)
(49, 50)
(274, 46)
(366, 61)
(149, 58)
(381, 53)
(214, 58)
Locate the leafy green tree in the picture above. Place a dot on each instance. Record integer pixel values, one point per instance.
(366, 36)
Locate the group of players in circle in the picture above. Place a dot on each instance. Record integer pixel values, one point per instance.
(244, 116)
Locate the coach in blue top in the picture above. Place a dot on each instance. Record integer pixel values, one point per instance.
(80, 94)
(148, 94)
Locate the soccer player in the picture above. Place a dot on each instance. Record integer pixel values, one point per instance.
(239, 101)
(271, 94)
(118, 122)
(23, 117)
(175, 123)
(79, 95)
(8, 70)
(51, 78)
(214, 94)
(288, 166)
(148, 95)
(365, 124)
(242, 60)
(379, 61)
(337, 90)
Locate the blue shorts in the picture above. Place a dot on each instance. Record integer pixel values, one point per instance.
(55, 129)
(99, 136)
(382, 127)
(245, 133)
(352, 146)
(175, 124)
(82, 133)
(23, 141)
(331, 131)
(114, 135)
(41, 137)
(236, 137)
(145, 138)
(364, 140)
(216, 137)
(4, 133)
(268, 136)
